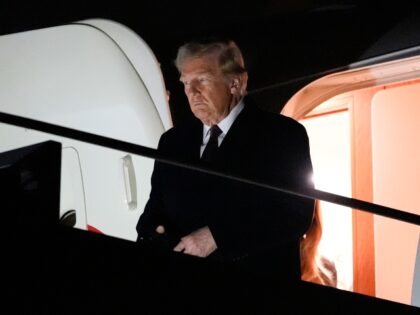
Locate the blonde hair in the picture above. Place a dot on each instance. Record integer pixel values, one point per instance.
(313, 267)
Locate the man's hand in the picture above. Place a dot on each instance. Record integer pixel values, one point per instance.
(199, 243)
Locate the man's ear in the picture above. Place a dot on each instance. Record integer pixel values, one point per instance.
(234, 87)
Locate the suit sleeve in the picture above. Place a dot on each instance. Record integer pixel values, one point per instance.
(255, 218)
(152, 215)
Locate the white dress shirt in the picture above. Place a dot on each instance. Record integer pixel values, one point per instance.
(224, 125)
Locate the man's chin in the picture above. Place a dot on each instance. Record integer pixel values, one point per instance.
(203, 116)
(200, 112)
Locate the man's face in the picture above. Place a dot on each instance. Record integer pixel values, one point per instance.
(207, 89)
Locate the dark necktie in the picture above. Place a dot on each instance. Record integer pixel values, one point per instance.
(212, 145)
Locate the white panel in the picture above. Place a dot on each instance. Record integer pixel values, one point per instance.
(103, 182)
(72, 191)
(143, 60)
(76, 76)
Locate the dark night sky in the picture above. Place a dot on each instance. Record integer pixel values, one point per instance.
(282, 41)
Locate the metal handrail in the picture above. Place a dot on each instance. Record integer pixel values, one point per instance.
(389, 212)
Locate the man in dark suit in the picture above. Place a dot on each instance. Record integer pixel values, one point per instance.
(254, 229)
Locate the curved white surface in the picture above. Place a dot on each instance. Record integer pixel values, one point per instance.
(142, 59)
(77, 76)
(334, 84)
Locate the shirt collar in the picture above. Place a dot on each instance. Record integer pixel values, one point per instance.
(227, 122)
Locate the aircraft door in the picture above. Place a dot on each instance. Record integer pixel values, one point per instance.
(72, 196)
